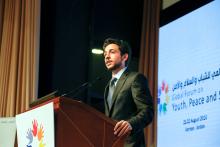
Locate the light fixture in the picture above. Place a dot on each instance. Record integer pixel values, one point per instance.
(97, 51)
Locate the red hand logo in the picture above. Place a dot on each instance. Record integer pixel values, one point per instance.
(34, 130)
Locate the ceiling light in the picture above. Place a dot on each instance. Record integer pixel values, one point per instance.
(97, 51)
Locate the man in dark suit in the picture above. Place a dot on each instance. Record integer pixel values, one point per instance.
(127, 96)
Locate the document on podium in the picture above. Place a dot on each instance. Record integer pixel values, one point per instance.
(36, 127)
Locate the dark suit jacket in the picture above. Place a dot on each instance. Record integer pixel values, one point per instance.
(133, 102)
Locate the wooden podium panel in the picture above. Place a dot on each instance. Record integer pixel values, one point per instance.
(79, 125)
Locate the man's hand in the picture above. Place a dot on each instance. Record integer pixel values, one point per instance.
(122, 128)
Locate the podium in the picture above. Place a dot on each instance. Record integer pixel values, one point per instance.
(79, 125)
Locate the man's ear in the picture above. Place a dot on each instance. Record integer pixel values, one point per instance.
(125, 57)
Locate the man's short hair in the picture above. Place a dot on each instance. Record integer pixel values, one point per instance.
(124, 47)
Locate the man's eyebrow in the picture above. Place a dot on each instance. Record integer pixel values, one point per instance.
(112, 49)
(108, 50)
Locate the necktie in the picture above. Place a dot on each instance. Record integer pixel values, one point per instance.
(111, 91)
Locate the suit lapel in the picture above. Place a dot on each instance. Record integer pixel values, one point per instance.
(105, 97)
(118, 87)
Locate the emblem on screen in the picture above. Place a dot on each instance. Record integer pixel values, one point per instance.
(163, 97)
(35, 135)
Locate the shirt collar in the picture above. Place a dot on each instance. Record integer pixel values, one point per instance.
(118, 75)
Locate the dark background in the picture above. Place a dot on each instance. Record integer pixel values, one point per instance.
(71, 28)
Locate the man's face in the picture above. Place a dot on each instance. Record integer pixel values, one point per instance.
(113, 58)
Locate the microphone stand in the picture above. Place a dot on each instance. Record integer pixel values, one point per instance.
(80, 88)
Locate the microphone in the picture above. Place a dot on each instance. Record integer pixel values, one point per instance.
(85, 85)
